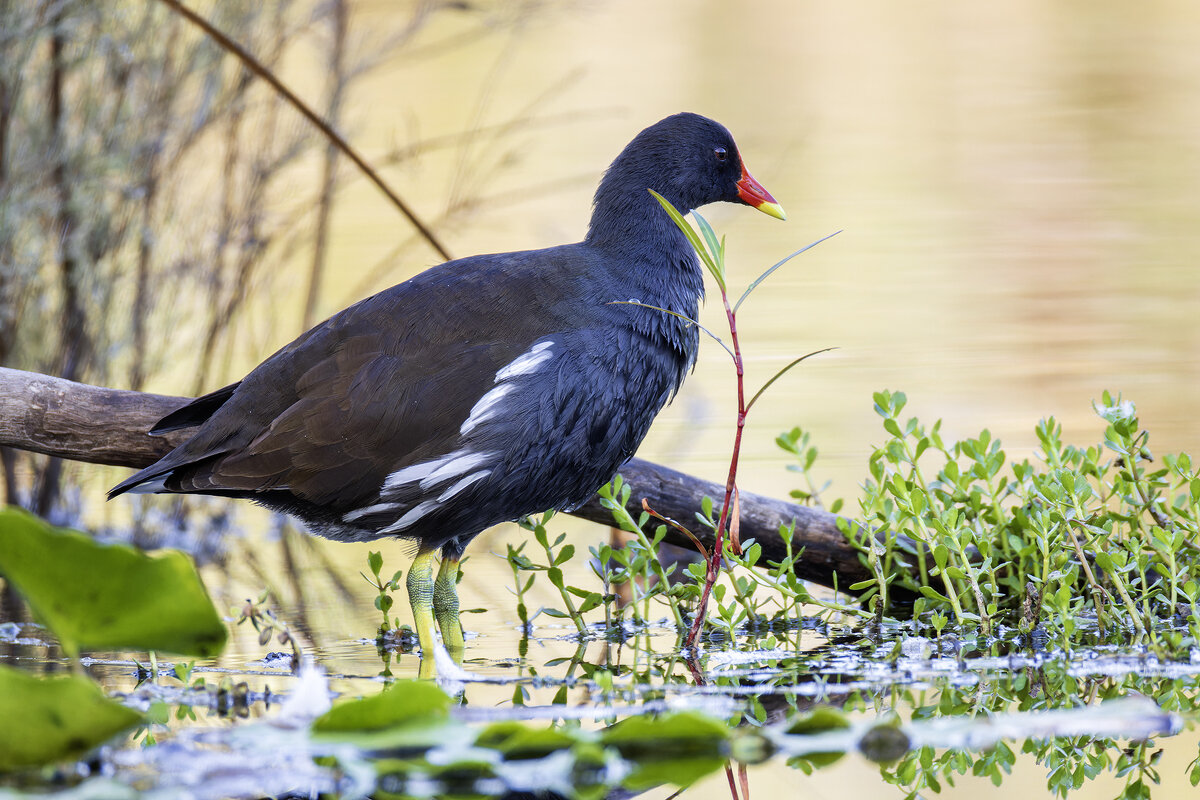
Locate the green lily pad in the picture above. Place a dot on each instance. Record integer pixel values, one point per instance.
(821, 719)
(102, 597)
(49, 719)
(402, 703)
(461, 779)
(678, 748)
(413, 713)
(518, 741)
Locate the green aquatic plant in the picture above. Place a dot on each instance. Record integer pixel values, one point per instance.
(92, 596)
(95, 596)
(1098, 532)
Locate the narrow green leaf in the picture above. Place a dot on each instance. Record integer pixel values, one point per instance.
(765, 275)
(780, 373)
(714, 246)
(710, 236)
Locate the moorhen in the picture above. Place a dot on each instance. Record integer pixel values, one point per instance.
(481, 390)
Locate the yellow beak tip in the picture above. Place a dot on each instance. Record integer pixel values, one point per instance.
(773, 209)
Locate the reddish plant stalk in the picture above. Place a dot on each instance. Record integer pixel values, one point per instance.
(713, 570)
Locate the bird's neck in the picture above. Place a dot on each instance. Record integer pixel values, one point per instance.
(654, 259)
(653, 264)
(626, 216)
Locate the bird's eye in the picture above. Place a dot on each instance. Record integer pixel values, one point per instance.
(719, 152)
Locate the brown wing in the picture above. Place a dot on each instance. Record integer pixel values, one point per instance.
(383, 384)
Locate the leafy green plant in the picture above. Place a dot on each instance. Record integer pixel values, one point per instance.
(558, 552)
(524, 575)
(383, 600)
(1098, 531)
(711, 253)
(636, 564)
(797, 443)
(267, 623)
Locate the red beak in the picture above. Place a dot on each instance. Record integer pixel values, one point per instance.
(752, 193)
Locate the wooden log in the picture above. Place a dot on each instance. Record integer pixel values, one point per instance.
(80, 422)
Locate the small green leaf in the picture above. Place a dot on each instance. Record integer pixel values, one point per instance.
(564, 555)
(404, 703)
(933, 594)
(97, 596)
(49, 719)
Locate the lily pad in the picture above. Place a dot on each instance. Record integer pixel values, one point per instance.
(413, 713)
(58, 718)
(518, 741)
(819, 720)
(101, 597)
(677, 748)
(402, 703)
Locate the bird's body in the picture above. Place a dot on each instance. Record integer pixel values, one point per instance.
(483, 389)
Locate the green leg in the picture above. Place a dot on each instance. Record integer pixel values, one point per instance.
(445, 606)
(420, 597)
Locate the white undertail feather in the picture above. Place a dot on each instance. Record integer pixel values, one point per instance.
(455, 467)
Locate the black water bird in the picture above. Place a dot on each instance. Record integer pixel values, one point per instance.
(481, 390)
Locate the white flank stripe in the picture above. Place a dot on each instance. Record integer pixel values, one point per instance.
(415, 472)
(414, 514)
(486, 407)
(527, 362)
(456, 467)
(364, 511)
(464, 483)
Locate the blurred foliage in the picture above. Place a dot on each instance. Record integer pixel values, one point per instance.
(95, 596)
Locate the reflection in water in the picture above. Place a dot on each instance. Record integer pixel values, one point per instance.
(932, 714)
